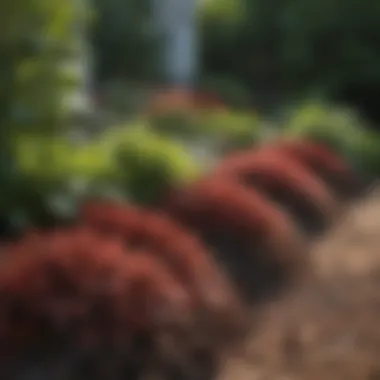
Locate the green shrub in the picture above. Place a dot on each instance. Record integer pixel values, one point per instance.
(130, 161)
(368, 156)
(148, 165)
(224, 130)
(57, 158)
(25, 200)
(133, 161)
(340, 128)
(49, 170)
(177, 123)
(225, 12)
(231, 130)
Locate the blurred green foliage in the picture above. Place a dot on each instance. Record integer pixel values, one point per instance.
(227, 130)
(177, 123)
(327, 49)
(368, 154)
(299, 49)
(135, 162)
(38, 38)
(294, 48)
(278, 51)
(125, 40)
(149, 165)
(340, 128)
(231, 130)
(139, 163)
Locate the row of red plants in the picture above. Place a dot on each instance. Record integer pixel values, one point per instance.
(128, 291)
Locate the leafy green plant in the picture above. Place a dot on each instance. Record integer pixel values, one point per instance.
(224, 130)
(149, 165)
(176, 123)
(368, 153)
(56, 157)
(230, 126)
(340, 128)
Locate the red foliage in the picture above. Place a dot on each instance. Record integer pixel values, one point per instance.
(127, 274)
(156, 302)
(221, 208)
(55, 285)
(80, 289)
(174, 99)
(179, 250)
(154, 297)
(282, 178)
(324, 162)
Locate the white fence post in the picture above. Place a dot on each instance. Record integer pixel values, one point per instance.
(177, 21)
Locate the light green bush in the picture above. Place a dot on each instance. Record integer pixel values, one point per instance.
(224, 130)
(340, 128)
(131, 161)
(231, 130)
(149, 164)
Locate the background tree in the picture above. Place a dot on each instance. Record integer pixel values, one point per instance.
(326, 49)
(124, 38)
(38, 37)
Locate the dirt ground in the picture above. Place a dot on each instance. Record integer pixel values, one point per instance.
(329, 327)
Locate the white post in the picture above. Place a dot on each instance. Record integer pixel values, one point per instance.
(80, 66)
(177, 21)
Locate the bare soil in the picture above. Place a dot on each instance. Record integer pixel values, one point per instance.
(328, 328)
